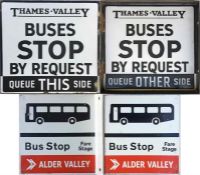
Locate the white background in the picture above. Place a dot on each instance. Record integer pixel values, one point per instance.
(190, 135)
(114, 37)
(12, 25)
(142, 127)
(86, 126)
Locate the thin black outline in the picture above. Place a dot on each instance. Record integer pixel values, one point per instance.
(1, 51)
(141, 134)
(178, 3)
(50, 1)
(84, 134)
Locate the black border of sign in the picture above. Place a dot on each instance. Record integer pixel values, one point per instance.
(195, 5)
(48, 1)
(1, 47)
(52, 1)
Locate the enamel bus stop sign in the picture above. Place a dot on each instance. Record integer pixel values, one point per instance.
(57, 134)
(151, 47)
(49, 47)
(141, 134)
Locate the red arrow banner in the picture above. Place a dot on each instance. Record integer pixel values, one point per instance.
(57, 164)
(142, 164)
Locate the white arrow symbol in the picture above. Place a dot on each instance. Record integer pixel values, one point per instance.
(115, 164)
(32, 164)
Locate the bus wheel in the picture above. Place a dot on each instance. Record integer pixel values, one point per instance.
(123, 121)
(40, 120)
(72, 120)
(156, 121)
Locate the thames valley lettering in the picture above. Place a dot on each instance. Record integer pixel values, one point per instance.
(80, 12)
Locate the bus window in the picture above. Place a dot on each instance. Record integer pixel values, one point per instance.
(31, 113)
(152, 109)
(125, 110)
(166, 110)
(139, 110)
(55, 109)
(41, 109)
(68, 109)
(82, 109)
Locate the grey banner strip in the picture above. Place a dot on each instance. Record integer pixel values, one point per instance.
(149, 81)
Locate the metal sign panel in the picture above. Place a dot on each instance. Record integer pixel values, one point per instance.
(141, 134)
(57, 134)
(49, 47)
(151, 47)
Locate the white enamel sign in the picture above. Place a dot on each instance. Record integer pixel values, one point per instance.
(49, 47)
(150, 47)
(141, 134)
(57, 134)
